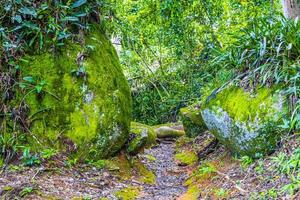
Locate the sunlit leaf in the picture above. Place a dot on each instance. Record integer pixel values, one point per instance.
(78, 3)
(29, 79)
(28, 11)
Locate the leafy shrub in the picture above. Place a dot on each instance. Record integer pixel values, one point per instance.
(29, 159)
(289, 165)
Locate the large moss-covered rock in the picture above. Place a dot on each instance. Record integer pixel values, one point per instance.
(80, 99)
(249, 124)
(141, 136)
(192, 121)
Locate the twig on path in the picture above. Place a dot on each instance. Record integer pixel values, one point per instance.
(42, 169)
(233, 182)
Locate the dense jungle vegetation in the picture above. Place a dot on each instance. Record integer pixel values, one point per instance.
(191, 66)
(174, 52)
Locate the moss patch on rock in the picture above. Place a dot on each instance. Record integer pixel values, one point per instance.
(248, 123)
(186, 157)
(129, 193)
(84, 105)
(145, 175)
(126, 169)
(120, 167)
(193, 193)
(192, 121)
(141, 136)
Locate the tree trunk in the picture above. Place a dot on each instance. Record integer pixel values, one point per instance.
(291, 8)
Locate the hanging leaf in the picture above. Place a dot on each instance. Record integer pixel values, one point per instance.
(80, 14)
(28, 11)
(7, 7)
(38, 88)
(31, 25)
(17, 18)
(70, 18)
(63, 35)
(78, 3)
(29, 79)
(22, 85)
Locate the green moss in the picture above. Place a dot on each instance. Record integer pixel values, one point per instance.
(193, 193)
(244, 106)
(186, 157)
(143, 136)
(183, 141)
(126, 168)
(136, 128)
(150, 158)
(92, 112)
(203, 173)
(1, 162)
(145, 175)
(192, 121)
(248, 123)
(129, 193)
(121, 167)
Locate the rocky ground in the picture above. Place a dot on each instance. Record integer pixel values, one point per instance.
(170, 170)
(169, 176)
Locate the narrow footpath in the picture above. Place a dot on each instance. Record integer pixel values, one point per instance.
(169, 176)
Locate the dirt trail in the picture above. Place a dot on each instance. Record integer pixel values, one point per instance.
(169, 176)
(87, 182)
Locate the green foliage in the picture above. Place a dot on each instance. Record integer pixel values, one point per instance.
(206, 169)
(289, 165)
(293, 186)
(175, 52)
(9, 146)
(40, 24)
(99, 164)
(29, 159)
(222, 193)
(70, 162)
(26, 191)
(48, 153)
(270, 194)
(161, 53)
(246, 161)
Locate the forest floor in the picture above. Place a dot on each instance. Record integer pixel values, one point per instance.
(153, 175)
(170, 170)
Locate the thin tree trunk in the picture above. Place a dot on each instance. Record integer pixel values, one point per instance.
(291, 8)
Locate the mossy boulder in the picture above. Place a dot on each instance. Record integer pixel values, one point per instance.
(248, 123)
(192, 121)
(80, 99)
(141, 136)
